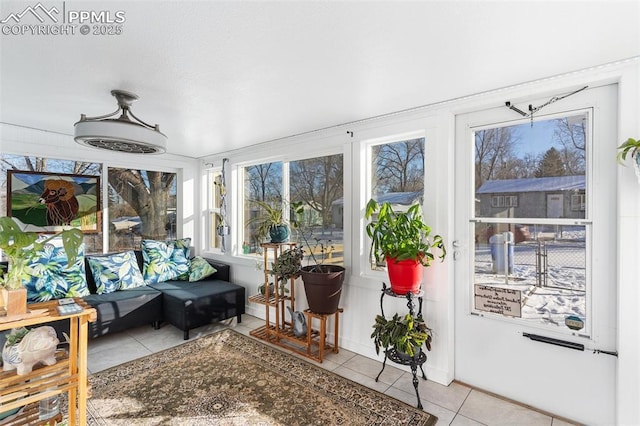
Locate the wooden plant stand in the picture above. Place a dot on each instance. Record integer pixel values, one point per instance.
(280, 332)
(68, 374)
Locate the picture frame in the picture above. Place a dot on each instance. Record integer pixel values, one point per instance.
(49, 202)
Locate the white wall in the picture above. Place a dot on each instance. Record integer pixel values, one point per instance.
(361, 293)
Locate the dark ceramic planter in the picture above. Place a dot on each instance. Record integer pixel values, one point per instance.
(323, 287)
(279, 233)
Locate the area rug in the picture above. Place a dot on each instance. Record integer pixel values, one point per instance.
(227, 378)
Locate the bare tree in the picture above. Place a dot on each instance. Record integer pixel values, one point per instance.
(147, 192)
(571, 133)
(318, 182)
(494, 154)
(264, 182)
(399, 166)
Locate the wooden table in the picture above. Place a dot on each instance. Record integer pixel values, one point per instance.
(69, 374)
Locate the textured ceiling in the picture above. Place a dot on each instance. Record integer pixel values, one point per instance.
(224, 75)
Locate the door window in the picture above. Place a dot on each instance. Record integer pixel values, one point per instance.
(531, 242)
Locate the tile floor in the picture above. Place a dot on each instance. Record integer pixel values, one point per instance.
(455, 405)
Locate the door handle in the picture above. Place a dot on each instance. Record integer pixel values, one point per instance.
(457, 245)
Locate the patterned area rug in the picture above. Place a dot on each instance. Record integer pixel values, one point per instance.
(227, 378)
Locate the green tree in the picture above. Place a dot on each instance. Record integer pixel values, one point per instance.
(551, 164)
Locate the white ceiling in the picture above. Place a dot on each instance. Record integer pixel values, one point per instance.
(223, 75)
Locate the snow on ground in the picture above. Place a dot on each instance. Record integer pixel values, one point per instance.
(548, 301)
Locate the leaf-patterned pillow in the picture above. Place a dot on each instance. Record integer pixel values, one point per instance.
(51, 277)
(118, 271)
(164, 261)
(199, 269)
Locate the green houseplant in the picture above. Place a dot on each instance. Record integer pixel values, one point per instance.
(404, 334)
(270, 221)
(322, 282)
(19, 246)
(285, 267)
(404, 241)
(630, 147)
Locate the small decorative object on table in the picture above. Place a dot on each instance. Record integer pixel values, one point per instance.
(35, 346)
(68, 306)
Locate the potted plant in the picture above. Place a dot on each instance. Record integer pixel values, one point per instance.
(404, 241)
(322, 282)
(630, 147)
(404, 334)
(270, 222)
(19, 246)
(285, 267)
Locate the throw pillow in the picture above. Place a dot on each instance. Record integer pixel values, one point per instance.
(199, 270)
(164, 261)
(51, 277)
(118, 271)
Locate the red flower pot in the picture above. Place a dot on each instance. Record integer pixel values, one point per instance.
(405, 276)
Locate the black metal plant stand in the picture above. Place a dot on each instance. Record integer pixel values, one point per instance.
(390, 353)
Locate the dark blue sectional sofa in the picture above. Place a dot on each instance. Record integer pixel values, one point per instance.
(183, 304)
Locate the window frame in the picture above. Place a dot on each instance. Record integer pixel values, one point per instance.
(237, 203)
(367, 270)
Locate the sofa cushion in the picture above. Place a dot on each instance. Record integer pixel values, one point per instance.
(117, 271)
(51, 276)
(199, 269)
(164, 261)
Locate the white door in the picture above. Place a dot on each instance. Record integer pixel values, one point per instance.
(554, 205)
(535, 310)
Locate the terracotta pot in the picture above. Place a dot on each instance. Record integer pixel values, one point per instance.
(323, 286)
(405, 276)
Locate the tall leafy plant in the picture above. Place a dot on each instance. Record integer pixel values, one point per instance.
(401, 235)
(19, 246)
(270, 216)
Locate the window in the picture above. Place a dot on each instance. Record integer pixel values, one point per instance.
(142, 204)
(317, 183)
(578, 202)
(498, 201)
(397, 175)
(92, 241)
(262, 182)
(538, 251)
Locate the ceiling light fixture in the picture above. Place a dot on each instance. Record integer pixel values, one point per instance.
(120, 134)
